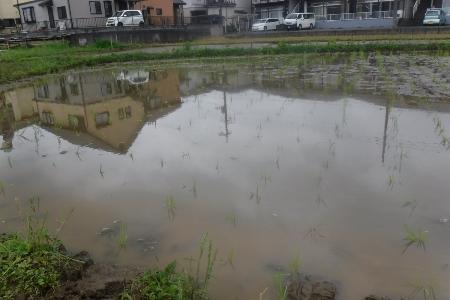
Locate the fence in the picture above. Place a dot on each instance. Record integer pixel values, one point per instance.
(357, 16)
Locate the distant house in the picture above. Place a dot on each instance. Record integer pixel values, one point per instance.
(212, 11)
(9, 15)
(48, 14)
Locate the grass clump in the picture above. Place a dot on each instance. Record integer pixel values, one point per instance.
(32, 264)
(170, 284)
(158, 284)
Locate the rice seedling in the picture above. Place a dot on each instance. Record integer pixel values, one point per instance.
(161, 162)
(294, 265)
(122, 237)
(102, 174)
(230, 258)
(2, 188)
(261, 294)
(170, 205)
(10, 162)
(280, 286)
(232, 219)
(422, 290)
(62, 222)
(194, 189)
(417, 238)
(411, 204)
(314, 233)
(132, 156)
(391, 181)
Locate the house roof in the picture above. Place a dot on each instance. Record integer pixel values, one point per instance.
(35, 1)
(179, 2)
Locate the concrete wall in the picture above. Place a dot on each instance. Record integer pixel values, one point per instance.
(145, 35)
(351, 24)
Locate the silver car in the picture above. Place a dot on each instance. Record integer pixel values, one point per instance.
(126, 18)
(434, 16)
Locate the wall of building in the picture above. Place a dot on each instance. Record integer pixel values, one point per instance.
(7, 9)
(153, 5)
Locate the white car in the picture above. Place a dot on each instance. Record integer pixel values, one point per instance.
(126, 18)
(266, 24)
(434, 16)
(300, 21)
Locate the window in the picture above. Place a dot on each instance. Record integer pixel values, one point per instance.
(102, 119)
(95, 7)
(62, 13)
(74, 89)
(28, 15)
(159, 11)
(48, 118)
(108, 8)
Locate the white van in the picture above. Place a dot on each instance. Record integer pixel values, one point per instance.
(300, 21)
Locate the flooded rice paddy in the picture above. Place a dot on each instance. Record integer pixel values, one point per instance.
(330, 159)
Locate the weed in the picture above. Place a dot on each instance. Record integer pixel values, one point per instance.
(412, 237)
(158, 284)
(30, 265)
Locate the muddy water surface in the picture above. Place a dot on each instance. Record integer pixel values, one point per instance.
(326, 159)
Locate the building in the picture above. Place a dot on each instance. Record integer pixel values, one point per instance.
(213, 11)
(325, 9)
(62, 14)
(9, 15)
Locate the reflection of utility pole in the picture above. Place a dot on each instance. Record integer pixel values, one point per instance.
(386, 121)
(225, 112)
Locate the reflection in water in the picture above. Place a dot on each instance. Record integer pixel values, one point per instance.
(97, 110)
(268, 161)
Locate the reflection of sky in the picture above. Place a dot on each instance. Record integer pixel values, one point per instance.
(321, 151)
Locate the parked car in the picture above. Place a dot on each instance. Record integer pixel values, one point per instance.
(266, 24)
(126, 18)
(434, 16)
(300, 21)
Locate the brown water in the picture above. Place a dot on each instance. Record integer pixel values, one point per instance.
(328, 161)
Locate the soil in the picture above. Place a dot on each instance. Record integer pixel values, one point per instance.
(86, 280)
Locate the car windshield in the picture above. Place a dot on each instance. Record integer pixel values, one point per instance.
(291, 16)
(432, 13)
(117, 14)
(260, 21)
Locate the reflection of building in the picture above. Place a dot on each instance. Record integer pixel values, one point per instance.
(105, 109)
(111, 107)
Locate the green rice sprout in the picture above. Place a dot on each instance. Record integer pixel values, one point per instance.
(412, 237)
(170, 205)
(122, 237)
(280, 286)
